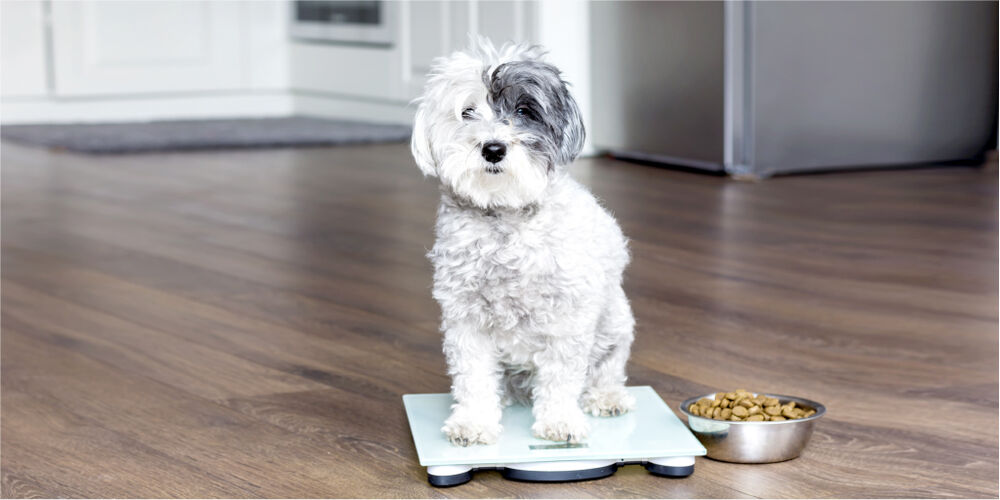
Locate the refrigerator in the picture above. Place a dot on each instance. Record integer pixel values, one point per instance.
(755, 89)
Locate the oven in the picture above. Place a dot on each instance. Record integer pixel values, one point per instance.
(370, 22)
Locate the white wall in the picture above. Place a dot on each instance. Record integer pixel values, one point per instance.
(563, 27)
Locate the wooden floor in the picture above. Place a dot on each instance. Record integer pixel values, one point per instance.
(243, 324)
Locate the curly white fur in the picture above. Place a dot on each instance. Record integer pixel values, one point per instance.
(527, 265)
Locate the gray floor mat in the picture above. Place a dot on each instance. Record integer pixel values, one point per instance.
(136, 137)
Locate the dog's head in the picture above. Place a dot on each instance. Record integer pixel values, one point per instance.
(494, 125)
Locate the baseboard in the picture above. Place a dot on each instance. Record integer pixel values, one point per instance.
(145, 108)
(352, 108)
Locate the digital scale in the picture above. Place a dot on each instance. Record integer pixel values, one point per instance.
(651, 436)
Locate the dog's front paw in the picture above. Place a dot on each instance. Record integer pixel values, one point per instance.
(608, 401)
(568, 424)
(464, 431)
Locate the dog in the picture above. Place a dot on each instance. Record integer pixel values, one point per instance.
(527, 264)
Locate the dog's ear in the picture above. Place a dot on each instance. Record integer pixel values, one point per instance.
(573, 132)
(420, 144)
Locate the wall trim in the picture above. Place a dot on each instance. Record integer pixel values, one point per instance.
(203, 106)
(145, 108)
(326, 105)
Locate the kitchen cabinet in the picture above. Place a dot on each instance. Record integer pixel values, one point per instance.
(22, 49)
(130, 47)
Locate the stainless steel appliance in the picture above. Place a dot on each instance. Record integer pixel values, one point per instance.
(761, 88)
(355, 22)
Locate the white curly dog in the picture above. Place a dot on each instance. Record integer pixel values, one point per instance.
(527, 265)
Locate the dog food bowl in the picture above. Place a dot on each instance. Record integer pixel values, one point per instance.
(754, 442)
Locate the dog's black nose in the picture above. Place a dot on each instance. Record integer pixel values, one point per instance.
(494, 151)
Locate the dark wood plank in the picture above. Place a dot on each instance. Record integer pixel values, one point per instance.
(244, 323)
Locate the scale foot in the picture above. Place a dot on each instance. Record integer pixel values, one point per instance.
(443, 476)
(562, 471)
(671, 466)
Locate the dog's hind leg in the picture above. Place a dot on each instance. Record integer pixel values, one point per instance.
(606, 395)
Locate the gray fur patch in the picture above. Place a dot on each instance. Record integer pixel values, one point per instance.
(536, 100)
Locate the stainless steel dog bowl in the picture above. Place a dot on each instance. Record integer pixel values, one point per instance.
(754, 442)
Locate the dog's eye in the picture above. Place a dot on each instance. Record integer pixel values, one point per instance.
(525, 112)
(468, 113)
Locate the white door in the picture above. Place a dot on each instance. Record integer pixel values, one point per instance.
(22, 49)
(125, 47)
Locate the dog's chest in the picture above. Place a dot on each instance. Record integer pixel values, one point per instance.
(510, 274)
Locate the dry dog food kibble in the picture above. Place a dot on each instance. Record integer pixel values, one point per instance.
(740, 405)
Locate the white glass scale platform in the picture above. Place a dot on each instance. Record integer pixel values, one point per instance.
(651, 436)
